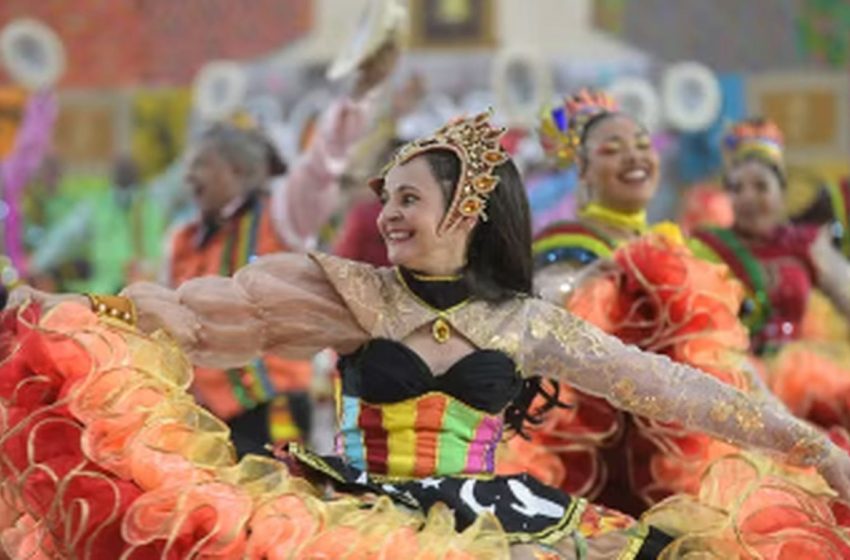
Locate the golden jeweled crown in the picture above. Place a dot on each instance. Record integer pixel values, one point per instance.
(477, 144)
(754, 137)
(561, 128)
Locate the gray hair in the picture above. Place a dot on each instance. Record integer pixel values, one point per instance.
(247, 151)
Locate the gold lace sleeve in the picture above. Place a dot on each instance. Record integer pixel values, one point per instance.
(283, 304)
(556, 344)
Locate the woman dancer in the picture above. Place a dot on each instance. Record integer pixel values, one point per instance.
(618, 174)
(593, 449)
(781, 266)
(438, 354)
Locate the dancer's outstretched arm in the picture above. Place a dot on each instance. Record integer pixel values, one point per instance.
(558, 345)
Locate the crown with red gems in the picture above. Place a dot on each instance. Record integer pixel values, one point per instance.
(478, 147)
(561, 128)
(755, 137)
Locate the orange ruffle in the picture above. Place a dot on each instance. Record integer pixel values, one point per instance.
(812, 378)
(749, 508)
(721, 502)
(565, 450)
(664, 300)
(669, 302)
(105, 455)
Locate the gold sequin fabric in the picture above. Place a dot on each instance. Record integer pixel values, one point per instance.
(545, 340)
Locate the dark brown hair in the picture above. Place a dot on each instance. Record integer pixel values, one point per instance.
(766, 163)
(499, 264)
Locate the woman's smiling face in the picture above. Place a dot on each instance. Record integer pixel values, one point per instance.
(757, 197)
(414, 205)
(620, 164)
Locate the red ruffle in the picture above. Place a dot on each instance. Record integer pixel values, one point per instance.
(103, 454)
(663, 300)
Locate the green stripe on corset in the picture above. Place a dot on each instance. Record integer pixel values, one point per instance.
(459, 426)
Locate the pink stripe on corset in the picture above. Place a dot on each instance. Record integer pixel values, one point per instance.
(476, 462)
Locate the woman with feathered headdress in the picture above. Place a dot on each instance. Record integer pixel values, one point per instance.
(609, 266)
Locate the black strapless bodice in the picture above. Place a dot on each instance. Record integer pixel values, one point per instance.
(386, 371)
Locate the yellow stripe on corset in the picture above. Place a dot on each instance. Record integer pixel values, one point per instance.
(399, 421)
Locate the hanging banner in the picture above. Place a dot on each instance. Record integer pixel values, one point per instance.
(440, 24)
(823, 31)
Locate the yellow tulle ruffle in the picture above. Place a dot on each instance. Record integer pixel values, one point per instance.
(749, 507)
(133, 468)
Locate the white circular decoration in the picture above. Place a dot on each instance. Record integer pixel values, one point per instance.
(637, 98)
(692, 96)
(522, 82)
(32, 53)
(220, 89)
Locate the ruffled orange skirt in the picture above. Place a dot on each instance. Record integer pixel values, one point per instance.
(103, 454)
(721, 502)
(663, 300)
(812, 376)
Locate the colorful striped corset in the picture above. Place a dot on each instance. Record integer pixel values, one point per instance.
(399, 420)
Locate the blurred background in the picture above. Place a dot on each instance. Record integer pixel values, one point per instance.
(135, 81)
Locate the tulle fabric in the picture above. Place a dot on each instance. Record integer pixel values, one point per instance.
(722, 503)
(105, 455)
(812, 375)
(671, 303)
(749, 508)
(664, 301)
(225, 322)
(706, 205)
(813, 380)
